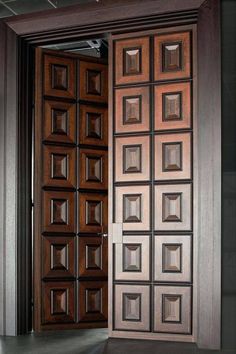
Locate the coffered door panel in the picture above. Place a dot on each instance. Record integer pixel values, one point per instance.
(71, 181)
(152, 201)
(93, 82)
(132, 60)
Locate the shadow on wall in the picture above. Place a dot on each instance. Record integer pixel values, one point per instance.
(229, 174)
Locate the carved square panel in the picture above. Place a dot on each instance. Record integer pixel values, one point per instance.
(172, 309)
(59, 166)
(173, 106)
(93, 169)
(173, 258)
(132, 109)
(132, 60)
(92, 212)
(132, 258)
(92, 256)
(172, 56)
(173, 156)
(93, 81)
(132, 159)
(58, 256)
(59, 121)
(58, 302)
(132, 307)
(173, 207)
(93, 125)
(93, 301)
(93, 84)
(58, 211)
(59, 76)
(132, 204)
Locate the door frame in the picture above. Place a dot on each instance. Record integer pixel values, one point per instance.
(18, 37)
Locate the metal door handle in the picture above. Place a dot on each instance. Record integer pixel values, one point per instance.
(101, 234)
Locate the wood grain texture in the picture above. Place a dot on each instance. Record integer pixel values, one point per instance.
(172, 56)
(132, 115)
(173, 106)
(93, 125)
(209, 111)
(59, 77)
(93, 82)
(59, 121)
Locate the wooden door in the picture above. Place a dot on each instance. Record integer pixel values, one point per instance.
(70, 254)
(152, 222)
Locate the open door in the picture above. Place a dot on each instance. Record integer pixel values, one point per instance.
(70, 212)
(152, 287)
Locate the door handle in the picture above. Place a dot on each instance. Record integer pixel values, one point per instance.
(101, 234)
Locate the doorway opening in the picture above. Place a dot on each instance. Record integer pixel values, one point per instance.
(152, 191)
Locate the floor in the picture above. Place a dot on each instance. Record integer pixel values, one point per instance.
(93, 341)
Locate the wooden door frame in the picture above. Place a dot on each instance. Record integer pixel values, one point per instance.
(18, 36)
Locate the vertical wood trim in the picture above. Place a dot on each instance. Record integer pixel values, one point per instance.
(195, 179)
(11, 192)
(209, 137)
(110, 184)
(2, 176)
(37, 191)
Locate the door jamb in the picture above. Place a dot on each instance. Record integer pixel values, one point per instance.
(17, 35)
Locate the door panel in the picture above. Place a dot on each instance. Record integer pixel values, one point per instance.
(59, 121)
(132, 110)
(71, 263)
(152, 245)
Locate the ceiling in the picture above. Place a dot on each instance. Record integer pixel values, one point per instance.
(18, 7)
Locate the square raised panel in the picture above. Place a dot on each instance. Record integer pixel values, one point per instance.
(173, 207)
(173, 156)
(132, 307)
(92, 212)
(92, 256)
(58, 302)
(173, 106)
(172, 56)
(59, 122)
(132, 204)
(58, 211)
(132, 159)
(93, 301)
(93, 169)
(132, 60)
(59, 166)
(132, 258)
(172, 309)
(59, 256)
(172, 258)
(93, 82)
(93, 125)
(59, 76)
(132, 109)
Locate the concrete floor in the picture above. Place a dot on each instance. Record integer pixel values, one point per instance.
(93, 341)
